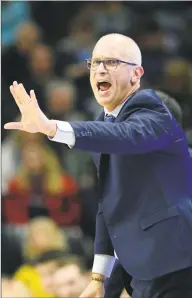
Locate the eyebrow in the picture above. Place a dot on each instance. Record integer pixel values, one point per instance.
(103, 58)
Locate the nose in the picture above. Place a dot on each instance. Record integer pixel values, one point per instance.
(101, 69)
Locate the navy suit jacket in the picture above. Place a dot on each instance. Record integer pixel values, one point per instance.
(145, 179)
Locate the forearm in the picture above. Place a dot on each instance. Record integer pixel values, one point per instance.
(142, 133)
(138, 135)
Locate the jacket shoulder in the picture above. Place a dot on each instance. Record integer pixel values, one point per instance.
(146, 99)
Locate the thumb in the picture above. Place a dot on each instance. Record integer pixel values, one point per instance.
(13, 125)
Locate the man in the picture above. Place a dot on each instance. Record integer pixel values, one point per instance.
(70, 278)
(144, 172)
(119, 277)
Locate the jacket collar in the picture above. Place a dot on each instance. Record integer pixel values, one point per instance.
(118, 110)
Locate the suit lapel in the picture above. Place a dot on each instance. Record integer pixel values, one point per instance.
(102, 160)
(99, 157)
(100, 117)
(103, 163)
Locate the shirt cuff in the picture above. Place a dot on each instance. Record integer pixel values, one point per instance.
(64, 134)
(103, 264)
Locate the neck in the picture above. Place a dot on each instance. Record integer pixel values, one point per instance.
(133, 89)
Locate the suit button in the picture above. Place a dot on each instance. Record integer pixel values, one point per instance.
(114, 236)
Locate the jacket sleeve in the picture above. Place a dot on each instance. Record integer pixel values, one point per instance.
(145, 130)
(104, 252)
(102, 244)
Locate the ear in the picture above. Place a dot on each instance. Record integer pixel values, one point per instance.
(137, 74)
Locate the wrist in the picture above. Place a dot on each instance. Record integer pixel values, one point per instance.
(52, 129)
(98, 277)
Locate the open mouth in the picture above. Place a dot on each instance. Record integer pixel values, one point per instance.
(103, 86)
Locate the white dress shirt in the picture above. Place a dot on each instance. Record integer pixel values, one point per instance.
(103, 264)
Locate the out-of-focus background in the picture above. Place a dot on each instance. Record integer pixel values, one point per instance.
(49, 194)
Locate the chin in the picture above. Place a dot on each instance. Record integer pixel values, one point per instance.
(104, 101)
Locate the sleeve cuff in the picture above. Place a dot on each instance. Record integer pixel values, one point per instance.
(103, 264)
(64, 134)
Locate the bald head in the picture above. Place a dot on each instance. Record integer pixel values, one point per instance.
(122, 46)
(115, 70)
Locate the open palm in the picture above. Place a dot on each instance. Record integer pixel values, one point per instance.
(33, 120)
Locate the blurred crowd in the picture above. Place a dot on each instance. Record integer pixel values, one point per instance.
(49, 193)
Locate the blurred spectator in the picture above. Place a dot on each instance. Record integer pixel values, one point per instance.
(11, 153)
(61, 100)
(43, 235)
(33, 273)
(150, 38)
(42, 63)
(41, 187)
(70, 279)
(185, 48)
(41, 67)
(112, 17)
(15, 58)
(83, 172)
(11, 288)
(176, 110)
(14, 13)
(71, 54)
(172, 105)
(172, 24)
(109, 17)
(11, 253)
(177, 83)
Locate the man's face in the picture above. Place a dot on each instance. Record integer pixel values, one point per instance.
(69, 281)
(46, 269)
(42, 61)
(33, 158)
(60, 101)
(119, 79)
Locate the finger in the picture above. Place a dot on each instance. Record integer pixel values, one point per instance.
(15, 96)
(23, 96)
(16, 91)
(33, 96)
(13, 125)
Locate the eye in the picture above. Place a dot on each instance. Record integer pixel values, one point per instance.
(96, 62)
(111, 62)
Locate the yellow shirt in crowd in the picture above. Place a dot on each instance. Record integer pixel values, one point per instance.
(32, 280)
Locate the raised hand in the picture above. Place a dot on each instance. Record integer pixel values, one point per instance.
(33, 120)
